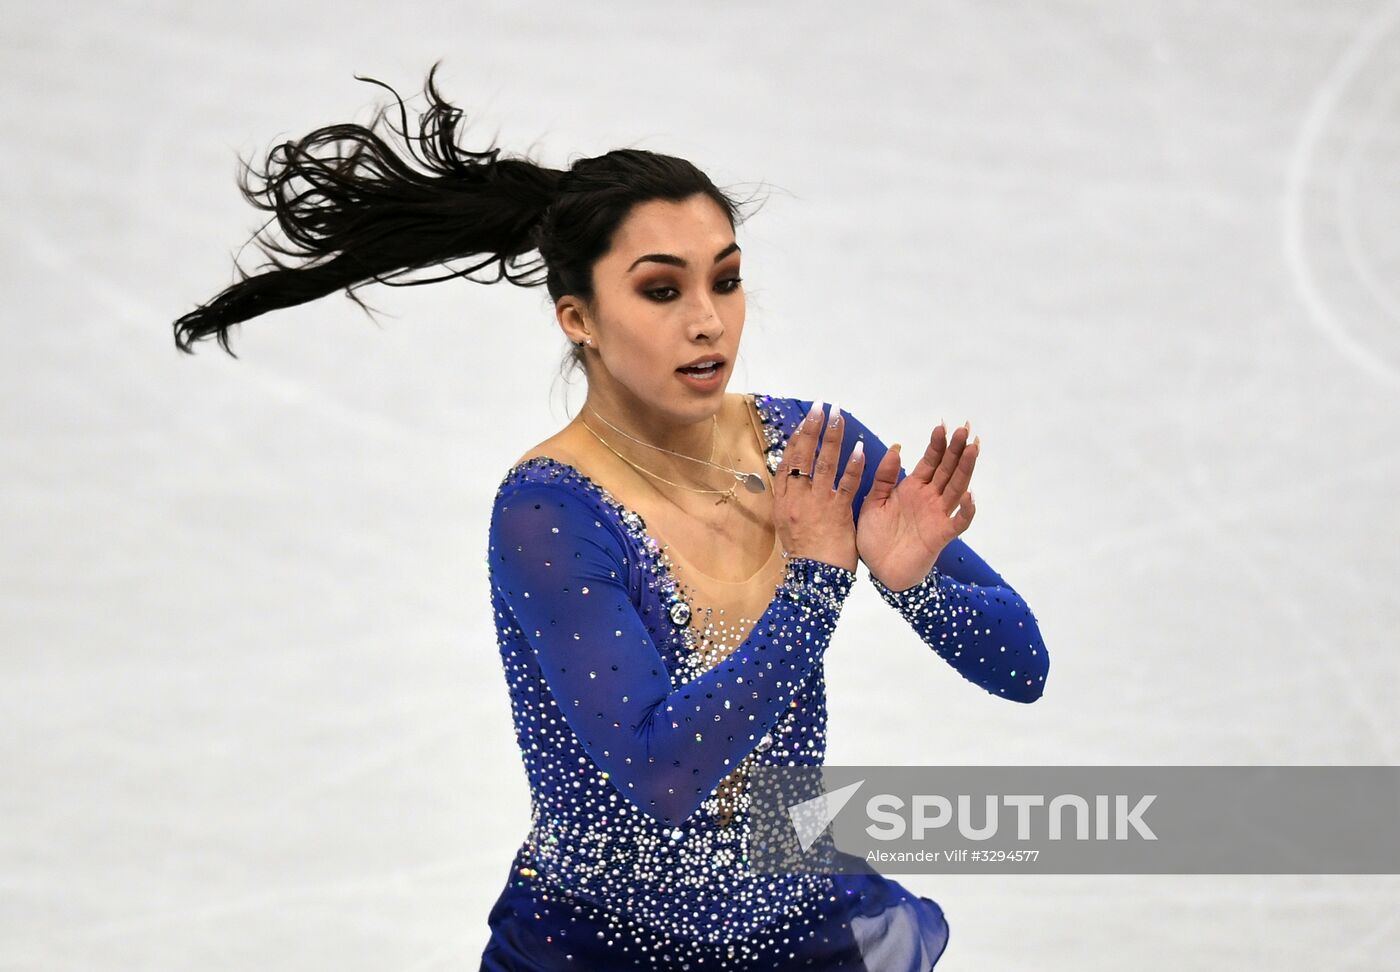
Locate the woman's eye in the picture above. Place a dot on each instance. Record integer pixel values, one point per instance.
(727, 286)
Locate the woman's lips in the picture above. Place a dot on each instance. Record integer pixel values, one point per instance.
(708, 379)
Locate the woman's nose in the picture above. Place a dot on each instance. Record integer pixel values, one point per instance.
(709, 323)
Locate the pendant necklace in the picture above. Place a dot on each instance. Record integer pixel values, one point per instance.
(752, 481)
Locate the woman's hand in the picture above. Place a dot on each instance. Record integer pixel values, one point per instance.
(903, 528)
(812, 519)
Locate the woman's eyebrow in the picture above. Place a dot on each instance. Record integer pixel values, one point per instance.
(676, 261)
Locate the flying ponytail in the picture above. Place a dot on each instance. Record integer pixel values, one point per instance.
(370, 215)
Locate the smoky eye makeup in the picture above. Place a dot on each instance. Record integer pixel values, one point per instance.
(663, 293)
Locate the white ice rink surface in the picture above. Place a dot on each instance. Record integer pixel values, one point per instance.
(253, 711)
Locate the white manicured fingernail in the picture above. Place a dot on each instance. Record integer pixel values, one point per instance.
(859, 450)
(835, 413)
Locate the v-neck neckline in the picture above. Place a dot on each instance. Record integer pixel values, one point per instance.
(751, 414)
(773, 430)
(686, 562)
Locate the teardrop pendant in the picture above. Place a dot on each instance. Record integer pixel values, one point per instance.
(753, 481)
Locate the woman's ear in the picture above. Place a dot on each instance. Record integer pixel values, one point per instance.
(574, 320)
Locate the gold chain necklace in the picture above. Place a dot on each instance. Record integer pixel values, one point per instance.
(727, 494)
(752, 481)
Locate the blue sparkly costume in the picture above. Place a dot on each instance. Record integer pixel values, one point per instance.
(636, 854)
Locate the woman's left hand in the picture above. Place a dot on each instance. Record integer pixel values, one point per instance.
(903, 528)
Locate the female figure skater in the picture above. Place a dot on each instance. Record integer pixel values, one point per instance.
(666, 570)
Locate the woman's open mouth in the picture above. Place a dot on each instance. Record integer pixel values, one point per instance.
(704, 376)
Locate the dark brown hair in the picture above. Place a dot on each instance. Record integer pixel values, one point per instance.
(366, 213)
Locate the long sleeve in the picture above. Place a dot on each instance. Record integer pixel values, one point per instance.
(561, 570)
(963, 609)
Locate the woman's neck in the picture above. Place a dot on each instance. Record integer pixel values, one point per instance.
(651, 439)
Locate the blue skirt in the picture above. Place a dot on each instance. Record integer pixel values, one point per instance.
(868, 923)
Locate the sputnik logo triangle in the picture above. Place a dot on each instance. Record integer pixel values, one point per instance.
(810, 818)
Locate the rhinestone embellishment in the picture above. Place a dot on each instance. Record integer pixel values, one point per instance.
(680, 612)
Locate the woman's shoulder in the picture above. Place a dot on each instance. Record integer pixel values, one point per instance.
(554, 455)
(542, 490)
(557, 446)
(552, 471)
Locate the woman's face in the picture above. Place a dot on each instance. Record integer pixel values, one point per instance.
(666, 293)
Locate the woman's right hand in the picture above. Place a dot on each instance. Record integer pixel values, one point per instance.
(813, 519)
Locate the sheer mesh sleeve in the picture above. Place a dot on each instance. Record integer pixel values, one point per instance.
(561, 569)
(963, 609)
